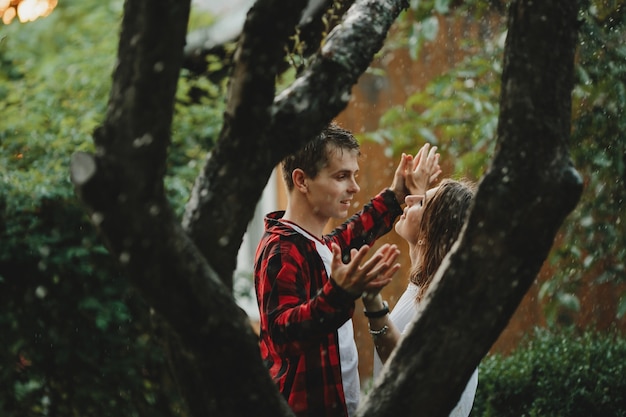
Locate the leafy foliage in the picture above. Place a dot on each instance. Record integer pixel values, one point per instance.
(456, 112)
(555, 374)
(594, 238)
(78, 339)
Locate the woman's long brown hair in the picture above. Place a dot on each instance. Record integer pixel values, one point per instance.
(442, 221)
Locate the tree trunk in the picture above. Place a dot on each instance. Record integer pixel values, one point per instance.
(214, 350)
(519, 206)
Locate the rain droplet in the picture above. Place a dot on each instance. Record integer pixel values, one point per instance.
(124, 257)
(97, 218)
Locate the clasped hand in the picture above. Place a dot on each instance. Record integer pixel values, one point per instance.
(415, 175)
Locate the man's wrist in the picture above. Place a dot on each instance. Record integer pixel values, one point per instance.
(400, 195)
(342, 293)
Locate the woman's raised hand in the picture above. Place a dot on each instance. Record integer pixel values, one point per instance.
(423, 171)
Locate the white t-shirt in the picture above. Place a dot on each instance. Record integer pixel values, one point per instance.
(348, 354)
(401, 315)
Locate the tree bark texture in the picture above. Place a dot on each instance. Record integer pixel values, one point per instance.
(519, 206)
(122, 187)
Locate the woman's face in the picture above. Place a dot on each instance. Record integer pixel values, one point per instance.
(408, 224)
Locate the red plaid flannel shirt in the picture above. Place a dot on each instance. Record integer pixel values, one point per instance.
(301, 308)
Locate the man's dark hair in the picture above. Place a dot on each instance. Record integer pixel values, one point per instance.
(315, 155)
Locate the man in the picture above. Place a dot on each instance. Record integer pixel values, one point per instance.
(306, 283)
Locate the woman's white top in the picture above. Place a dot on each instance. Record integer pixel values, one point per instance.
(401, 315)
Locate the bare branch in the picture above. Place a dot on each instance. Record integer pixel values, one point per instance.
(316, 20)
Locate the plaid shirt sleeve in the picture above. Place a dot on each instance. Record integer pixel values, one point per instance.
(299, 302)
(374, 220)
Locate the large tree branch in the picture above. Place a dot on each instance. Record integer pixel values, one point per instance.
(122, 186)
(257, 135)
(325, 87)
(519, 206)
(221, 192)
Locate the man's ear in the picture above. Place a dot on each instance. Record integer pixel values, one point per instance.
(300, 180)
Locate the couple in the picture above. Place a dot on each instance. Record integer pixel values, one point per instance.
(307, 282)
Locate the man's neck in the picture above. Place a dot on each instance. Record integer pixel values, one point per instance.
(306, 220)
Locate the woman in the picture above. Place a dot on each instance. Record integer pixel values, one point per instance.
(430, 224)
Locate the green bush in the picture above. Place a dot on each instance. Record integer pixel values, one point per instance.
(559, 374)
(77, 339)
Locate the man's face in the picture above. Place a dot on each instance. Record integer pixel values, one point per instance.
(330, 193)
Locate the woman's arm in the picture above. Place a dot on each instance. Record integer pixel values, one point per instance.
(383, 331)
